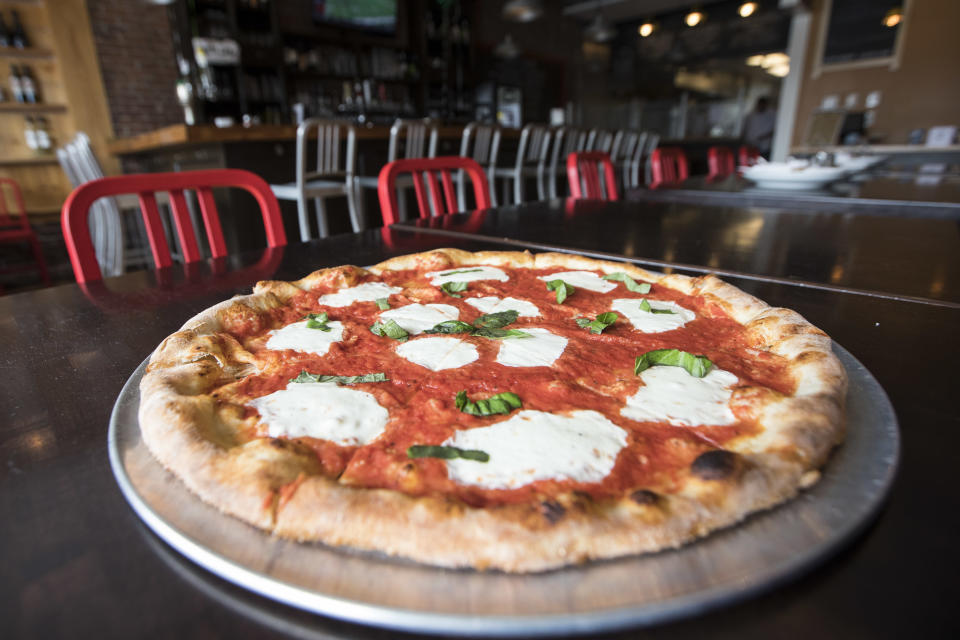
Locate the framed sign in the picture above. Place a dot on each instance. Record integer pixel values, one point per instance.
(854, 34)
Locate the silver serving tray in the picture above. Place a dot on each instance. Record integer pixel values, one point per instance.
(729, 565)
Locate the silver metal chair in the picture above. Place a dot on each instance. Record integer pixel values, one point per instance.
(480, 142)
(621, 153)
(566, 140)
(599, 140)
(331, 175)
(418, 139)
(531, 162)
(639, 165)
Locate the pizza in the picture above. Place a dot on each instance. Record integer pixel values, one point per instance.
(494, 410)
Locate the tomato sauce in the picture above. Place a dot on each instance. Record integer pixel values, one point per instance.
(595, 372)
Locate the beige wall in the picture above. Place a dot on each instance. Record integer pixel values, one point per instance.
(923, 92)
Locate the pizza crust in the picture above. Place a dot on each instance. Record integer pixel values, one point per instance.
(275, 485)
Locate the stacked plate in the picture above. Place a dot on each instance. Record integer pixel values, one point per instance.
(792, 175)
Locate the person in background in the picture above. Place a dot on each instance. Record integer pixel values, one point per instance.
(759, 125)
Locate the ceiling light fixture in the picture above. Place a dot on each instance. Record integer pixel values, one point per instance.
(694, 18)
(893, 17)
(646, 29)
(747, 9)
(599, 30)
(522, 10)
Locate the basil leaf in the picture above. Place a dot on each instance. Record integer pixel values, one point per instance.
(562, 288)
(390, 329)
(446, 453)
(450, 288)
(305, 376)
(601, 322)
(444, 274)
(607, 318)
(382, 303)
(632, 285)
(663, 311)
(485, 332)
(645, 306)
(502, 403)
(697, 366)
(318, 321)
(497, 320)
(451, 326)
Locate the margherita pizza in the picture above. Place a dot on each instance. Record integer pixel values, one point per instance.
(494, 410)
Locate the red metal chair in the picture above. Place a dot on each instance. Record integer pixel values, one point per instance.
(668, 167)
(76, 230)
(747, 156)
(583, 174)
(429, 167)
(15, 228)
(720, 163)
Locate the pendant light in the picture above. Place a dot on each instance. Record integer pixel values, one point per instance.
(522, 10)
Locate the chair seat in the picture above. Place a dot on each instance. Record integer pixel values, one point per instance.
(312, 189)
(371, 182)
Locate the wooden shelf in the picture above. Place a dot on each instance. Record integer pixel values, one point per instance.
(19, 107)
(30, 52)
(27, 162)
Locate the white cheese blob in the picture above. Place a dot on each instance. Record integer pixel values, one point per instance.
(298, 337)
(535, 445)
(438, 353)
(417, 318)
(650, 322)
(582, 279)
(466, 274)
(344, 416)
(366, 292)
(541, 349)
(493, 304)
(670, 394)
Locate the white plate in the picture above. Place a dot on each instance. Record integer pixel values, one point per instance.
(772, 175)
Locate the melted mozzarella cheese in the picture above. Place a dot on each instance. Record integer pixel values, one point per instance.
(438, 353)
(417, 318)
(535, 445)
(366, 292)
(466, 274)
(670, 394)
(650, 322)
(346, 417)
(298, 337)
(540, 350)
(493, 304)
(582, 279)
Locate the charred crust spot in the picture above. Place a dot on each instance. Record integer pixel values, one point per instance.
(645, 497)
(810, 356)
(552, 510)
(715, 465)
(276, 443)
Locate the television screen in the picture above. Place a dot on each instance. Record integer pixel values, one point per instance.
(373, 15)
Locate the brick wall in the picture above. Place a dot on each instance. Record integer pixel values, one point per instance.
(135, 50)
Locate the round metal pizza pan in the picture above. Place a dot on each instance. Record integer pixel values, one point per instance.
(729, 565)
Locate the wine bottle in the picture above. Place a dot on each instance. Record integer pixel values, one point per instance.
(5, 37)
(19, 38)
(44, 141)
(16, 87)
(28, 86)
(30, 135)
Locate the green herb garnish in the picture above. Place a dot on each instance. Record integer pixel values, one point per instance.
(443, 274)
(697, 366)
(497, 320)
(318, 321)
(562, 288)
(389, 329)
(451, 326)
(601, 322)
(632, 285)
(486, 326)
(451, 288)
(502, 403)
(447, 453)
(305, 376)
(382, 303)
(645, 306)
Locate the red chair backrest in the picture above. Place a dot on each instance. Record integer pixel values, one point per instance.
(76, 231)
(583, 174)
(18, 220)
(747, 156)
(668, 166)
(429, 167)
(720, 163)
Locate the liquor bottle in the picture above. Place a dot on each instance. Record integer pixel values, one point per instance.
(19, 38)
(5, 37)
(30, 135)
(44, 142)
(28, 86)
(16, 87)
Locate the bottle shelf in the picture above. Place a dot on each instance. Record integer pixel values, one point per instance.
(28, 53)
(28, 162)
(27, 108)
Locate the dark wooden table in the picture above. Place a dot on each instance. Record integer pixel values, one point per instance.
(904, 258)
(77, 562)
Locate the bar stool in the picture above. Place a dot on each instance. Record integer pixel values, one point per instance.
(481, 142)
(531, 162)
(331, 176)
(720, 163)
(428, 169)
(566, 140)
(418, 139)
(668, 167)
(591, 175)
